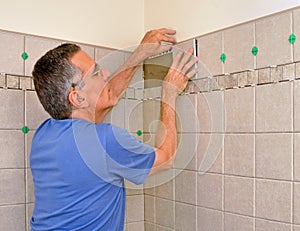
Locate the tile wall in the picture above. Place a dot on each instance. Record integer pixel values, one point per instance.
(20, 107)
(238, 160)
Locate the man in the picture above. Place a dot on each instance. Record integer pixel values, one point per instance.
(78, 162)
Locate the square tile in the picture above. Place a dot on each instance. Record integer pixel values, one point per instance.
(12, 186)
(210, 153)
(297, 105)
(239, 110)
(237, 223)
(239, 154)
(12, 149)
(209, 191)
(12, 109)
(12, 47)
(297, 157)
(274, 107)
(239, 195)
(186, 194)
(210, 111)
(12, 217)
(274, 156)
(265, 225)
(35, 113)
(210, 50)
(273, 200)
(185, 217)
(273, 32)
(36, 47)
(209, 220)
(238, 43)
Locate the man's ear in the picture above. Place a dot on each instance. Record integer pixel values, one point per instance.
(77, 100)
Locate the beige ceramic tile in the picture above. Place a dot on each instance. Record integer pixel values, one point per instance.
(296, 31)
(210, 111)
(165, 211)
(297, 157)
(165, 184)
(297, 105)
(264, 76)
(36, 47)
(272, 35)
(109, 59)
(239, 195)
(186, 151)
(239, 155)
(136, 226)
(28, 140)
(12, 186)
(186, 194)
(135, 208)
(149, 208)
(117, 115)
(210, 153)
(29, 187)
(210, 50)
(12, 149)
(239, 110)
(274, 156)
(186, 110)
(151, 115)
(35, 113)
(209, 191)
(296, 206)
(265, 225)
(12, 47)
(11, 109)
(274, 107)
(29, 211)
(273, 200)
(238, 43)
(133, 115)
(237, 223)
(276, 74)
(185, 217)
(12, 217)
(163, 228)
(150, 226)
(209, 220)
(296, 228)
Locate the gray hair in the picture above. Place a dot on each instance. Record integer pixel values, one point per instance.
(53, 74)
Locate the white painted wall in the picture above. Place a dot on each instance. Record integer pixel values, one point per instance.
(196, 17)
(112, 23)
(122, 23)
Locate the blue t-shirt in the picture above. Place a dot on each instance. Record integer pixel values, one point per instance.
(78, 169)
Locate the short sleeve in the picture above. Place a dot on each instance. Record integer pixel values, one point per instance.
(129, 158)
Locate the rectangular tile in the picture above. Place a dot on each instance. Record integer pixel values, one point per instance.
(133, 115)
(239, 195)
(239, 155)
(239, 110)
(12, 186)
(12, 149)
(149, 208)
(296, 31)
(297, 157)
(12, 47)
(296, 206)
(274, 107)
(151, 115)
(297, 105)
(272, 35)
(185, 217)
(135, 208)
(274, 156)
(273, 200)
(186, 151)
(117, 115)
(165, 212)
(238, 42)
(165, 184)
(12, 109)
(186, 194)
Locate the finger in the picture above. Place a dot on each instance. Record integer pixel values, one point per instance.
(189, 65)
(185, 59)
(176, 60)
(191, 73)
(167, 31)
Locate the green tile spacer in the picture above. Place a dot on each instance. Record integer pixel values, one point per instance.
(223, 57)
(139, 132)
(292, 38)
(254, 50)
(25, 129)
(24, 55)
